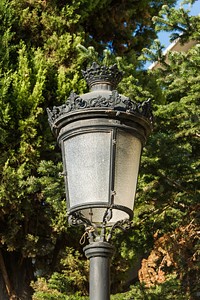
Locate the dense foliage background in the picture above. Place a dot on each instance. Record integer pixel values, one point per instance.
(43, 47)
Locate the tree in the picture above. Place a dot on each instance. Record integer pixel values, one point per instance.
(40, 65)
(165, 231)
(168, 202)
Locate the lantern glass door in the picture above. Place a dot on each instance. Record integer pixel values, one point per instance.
(87, 159)
(126, 160)
(128, 152)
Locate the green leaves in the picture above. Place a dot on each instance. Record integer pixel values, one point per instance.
(168, 186)
(70, 282)
(40, 64)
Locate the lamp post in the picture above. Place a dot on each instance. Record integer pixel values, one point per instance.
(101, 135)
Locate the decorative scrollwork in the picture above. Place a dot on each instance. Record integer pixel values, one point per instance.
(74, 102)
(114, 101)
(142, 108)
(104, 233)
(122, 224)
(77, 218)
(111, 100)
(91, 233)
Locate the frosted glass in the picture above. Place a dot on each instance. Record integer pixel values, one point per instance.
(95, 215)
(87, 161)
(128, 151)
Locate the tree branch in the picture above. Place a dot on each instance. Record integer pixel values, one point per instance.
(11, 294)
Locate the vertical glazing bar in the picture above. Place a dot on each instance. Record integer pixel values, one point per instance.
(112, 162)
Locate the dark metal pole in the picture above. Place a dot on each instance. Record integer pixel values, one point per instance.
(99, 254)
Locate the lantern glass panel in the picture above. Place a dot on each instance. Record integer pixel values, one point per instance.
(87, 158)
(127, 160)
(128, 152)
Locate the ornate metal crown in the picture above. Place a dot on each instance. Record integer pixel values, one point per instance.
(110, 101)
(97, 73)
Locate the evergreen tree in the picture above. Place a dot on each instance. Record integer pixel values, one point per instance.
(165, 231)
(168, 196)
(39, 66)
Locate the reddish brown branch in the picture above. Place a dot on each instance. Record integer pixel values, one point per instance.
(8, 285)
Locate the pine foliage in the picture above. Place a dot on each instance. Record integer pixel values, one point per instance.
(44, 45)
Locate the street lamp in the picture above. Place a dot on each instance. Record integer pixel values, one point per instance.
(101, 135)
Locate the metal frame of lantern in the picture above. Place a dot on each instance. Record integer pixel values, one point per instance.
(100, 113)
(102, 110)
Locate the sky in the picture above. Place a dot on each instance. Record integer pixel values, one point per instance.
(164, 36)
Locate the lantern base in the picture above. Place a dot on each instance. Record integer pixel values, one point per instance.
(94, 233)
(99, 214)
